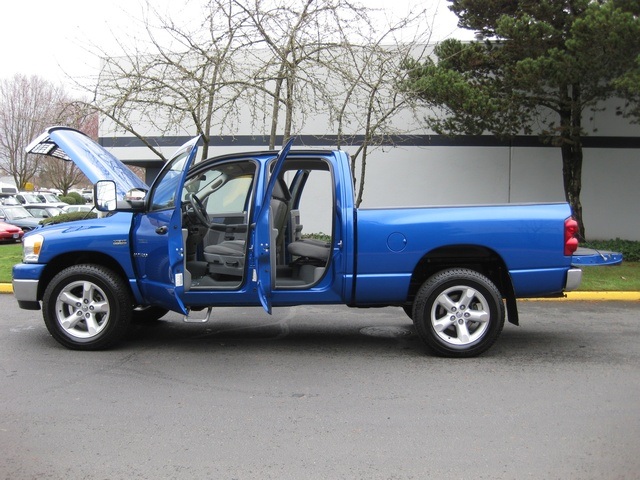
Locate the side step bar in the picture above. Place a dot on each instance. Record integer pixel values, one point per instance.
(187, 318)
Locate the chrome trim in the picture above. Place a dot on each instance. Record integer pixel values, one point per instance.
(25, 290)
(574, 277)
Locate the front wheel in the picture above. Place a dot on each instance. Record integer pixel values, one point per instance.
(87, 307)
(458, 313)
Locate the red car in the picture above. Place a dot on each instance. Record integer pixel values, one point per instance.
(10, 233)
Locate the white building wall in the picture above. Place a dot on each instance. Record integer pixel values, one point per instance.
(413, 176)
(455, 175)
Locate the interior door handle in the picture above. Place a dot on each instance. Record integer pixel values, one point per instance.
(162, 230)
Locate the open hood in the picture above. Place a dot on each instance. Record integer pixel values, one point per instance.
(92, 159)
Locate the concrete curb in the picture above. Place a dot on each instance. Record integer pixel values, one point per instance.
(582, 296)
(595, 297)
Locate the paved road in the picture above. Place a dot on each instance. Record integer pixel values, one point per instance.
(325, 392)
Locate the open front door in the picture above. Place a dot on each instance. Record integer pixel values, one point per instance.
(265, 235)
(159, 243)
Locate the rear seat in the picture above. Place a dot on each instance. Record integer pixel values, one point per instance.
(309, 248)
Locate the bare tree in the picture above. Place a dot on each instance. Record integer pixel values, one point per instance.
(368, 101)
(27, 106)
(183, 79)
(269, 66)
(200, 78)
(297, 35)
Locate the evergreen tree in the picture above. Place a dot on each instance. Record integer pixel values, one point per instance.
(536, 62)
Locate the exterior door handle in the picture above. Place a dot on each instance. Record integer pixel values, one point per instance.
(162, 230)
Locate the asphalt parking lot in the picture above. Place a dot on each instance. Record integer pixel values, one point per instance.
(325, 392)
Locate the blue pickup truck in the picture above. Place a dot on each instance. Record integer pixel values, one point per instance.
(229, 231)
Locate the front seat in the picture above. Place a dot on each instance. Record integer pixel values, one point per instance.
(228, 257)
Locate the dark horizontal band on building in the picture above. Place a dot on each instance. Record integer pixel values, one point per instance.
(254, 141)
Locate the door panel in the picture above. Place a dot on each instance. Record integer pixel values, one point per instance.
(158, 247)
(264, 234)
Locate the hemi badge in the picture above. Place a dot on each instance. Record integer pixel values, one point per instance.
(119, 242)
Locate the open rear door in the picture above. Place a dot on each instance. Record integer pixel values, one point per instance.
(264, 235)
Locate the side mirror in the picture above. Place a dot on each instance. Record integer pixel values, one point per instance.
(105, 196)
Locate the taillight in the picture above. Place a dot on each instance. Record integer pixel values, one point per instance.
(570, 232)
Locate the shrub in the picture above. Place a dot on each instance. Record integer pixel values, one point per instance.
(630, 249)
(67, 199)
(77, 197)
(318, 236)
(68, 217)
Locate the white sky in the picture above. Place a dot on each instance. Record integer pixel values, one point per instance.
(52, 38)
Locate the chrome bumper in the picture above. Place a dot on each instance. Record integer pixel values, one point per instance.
(26, 293)
(574, 277)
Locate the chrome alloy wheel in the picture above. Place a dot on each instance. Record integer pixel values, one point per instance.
(82, 309)
(460, 315)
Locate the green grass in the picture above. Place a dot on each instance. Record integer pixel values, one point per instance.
(10, 254)
(624, 277)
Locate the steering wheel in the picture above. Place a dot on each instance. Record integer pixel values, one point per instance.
(199, 209)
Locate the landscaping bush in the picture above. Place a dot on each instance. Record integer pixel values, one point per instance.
(318, 236)
(77, 197)
(68, 217)
(67, 199)
(630, 249)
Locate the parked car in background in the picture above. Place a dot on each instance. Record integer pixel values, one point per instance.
(9, 200)
(18, 216)
(28, 198)
(10, 233)
(50, 199)
(43, 211)
(77, 208)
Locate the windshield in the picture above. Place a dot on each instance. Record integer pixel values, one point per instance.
(16, 213)
(49, 197)
(31, 198)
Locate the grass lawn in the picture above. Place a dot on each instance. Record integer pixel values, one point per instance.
(10, 254)
(625, 277)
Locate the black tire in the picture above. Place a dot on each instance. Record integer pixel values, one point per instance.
(147, 314)
(458, 313)
(87, 307)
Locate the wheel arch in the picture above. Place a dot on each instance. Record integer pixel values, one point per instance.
(66, 260)
(474, 257)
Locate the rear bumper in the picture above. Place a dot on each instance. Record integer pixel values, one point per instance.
(574, 277)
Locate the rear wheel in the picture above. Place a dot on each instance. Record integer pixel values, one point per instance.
(458, 313)
(87, 307)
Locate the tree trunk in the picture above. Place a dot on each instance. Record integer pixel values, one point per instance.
(572, 178)
(571, 147)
